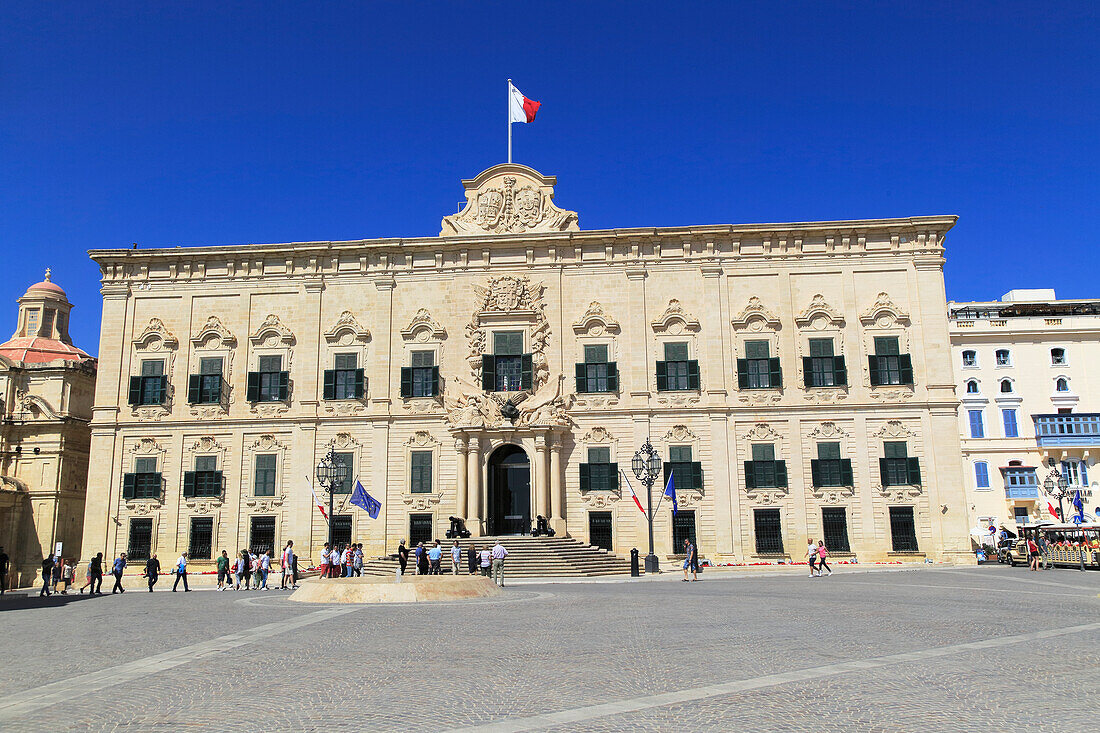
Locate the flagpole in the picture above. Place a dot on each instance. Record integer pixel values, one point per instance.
(509, 117)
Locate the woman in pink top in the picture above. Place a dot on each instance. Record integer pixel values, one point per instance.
(822, 553)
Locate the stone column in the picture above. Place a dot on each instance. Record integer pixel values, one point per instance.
(473, 487)
(557, 490)
(461, 505)
(542, 485)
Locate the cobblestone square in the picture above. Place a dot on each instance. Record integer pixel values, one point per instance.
(953, 649)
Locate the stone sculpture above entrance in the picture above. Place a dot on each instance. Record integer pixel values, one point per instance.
(509, 199)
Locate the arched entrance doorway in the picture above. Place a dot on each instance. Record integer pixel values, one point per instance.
(509, 495)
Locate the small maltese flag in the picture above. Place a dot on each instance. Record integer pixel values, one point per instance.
(520, 108)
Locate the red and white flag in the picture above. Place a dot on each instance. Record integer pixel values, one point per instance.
(520, 108)
(633, 496)
(320, 506)
(1053, 511)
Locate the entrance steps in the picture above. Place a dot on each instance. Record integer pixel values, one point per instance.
(528, 557)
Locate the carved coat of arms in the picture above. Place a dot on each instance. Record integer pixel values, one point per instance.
(510, 204)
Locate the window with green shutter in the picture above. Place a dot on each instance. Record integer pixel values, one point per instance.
(268, 383)
(144, 483)
(764, 471)
(677, 371)
(599, 473)
(758, 370)
(822, 368)
(151, 386)
(596, 374)
(896, 467)
(887, 365)
(264, 480)
(420, 476)
(507, 369)
(421, 378)
(205, 480)
(205, 388)
(829, 469)
(345, 381)
(686, 473)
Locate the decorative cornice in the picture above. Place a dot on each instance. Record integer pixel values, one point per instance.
(755, 317)
(595, 321)
(675, 320)
(423, 322)
(884, 313)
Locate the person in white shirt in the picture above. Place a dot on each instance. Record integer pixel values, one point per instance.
(486, 560)
(811, 557)
(284, 563)
(265, 568)
(499, 553)
(334, 563)
(181, 573)
(456, 557)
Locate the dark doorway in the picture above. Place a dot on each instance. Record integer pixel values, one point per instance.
(834, 525)
(683, 528)
(599, 529)
(903, 530)
(509, 492)
(420, 529)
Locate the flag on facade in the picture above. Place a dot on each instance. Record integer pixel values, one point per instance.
(365, 501)
(1053, 511)
(670, 491)
(317, 501)
(1079, 505)
(520, 108)
(633, 496)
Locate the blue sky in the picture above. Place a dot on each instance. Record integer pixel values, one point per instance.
(208, 123)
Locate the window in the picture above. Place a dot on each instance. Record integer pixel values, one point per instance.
(1002, 357)
(345, 381)
(686, 473)
(758, 370)
(1061, 385)
(599, 529)
(977, 425)
(769, 532)
(677, 371)
(205, 388)
(341, 529)
(151, 388)
(1006, 386)
(422, 378)
(140, 543)
(264, 479)
(829, 469)
(1011, 429)
(1057, 357)
(897, 468)
(1075, 472)
(47, 322)
(200, 540)
(887, 365)
(599, 474)
(420, 529)
(981, 474)
(1019, 513)
(763, 471)
(261, 534)
(596, 373)
(348, 459)
(821, 368)
(1021, 482)
(32, 322)
(970, 358)
(834, 527)
(205, 480)
(420, 477)
(508, 369)
(683, 528)
(972, 386)
(903, 530)
(144, 482)
(269, 383)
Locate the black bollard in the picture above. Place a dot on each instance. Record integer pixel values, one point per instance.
(635, 570)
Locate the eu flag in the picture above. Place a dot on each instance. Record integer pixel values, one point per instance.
(1079, 505)
(670, 491)
(365, 501)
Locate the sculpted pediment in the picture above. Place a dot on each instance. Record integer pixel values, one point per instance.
(509, 199)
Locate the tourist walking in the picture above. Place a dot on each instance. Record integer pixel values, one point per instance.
(57, 565)
(246, 568)
(691, 560)
(181, 573)
(357, 560)
(402, 556)
(94, 576)
(67, 570)
(223, 570)
(499, 553)
(811, 557)
(1044, 549)
(4, 562)
(238, 570)
(486, 562)
(325, 560)
(152, 571)
(348, 559)
(47, 576)
(265, 568)
(1032, 554)
(116, 570)
(456, 558)
(435, 559)
(257, 572)
(421, 559)
(472, 560)
(822, 553)
(288, 566)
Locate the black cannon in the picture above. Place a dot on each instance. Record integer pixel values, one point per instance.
(458, 529)
(542, 527)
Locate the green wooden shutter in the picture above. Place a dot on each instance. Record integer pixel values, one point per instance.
(129, 485)
(840, 371)
(662, 376)
(775, 373)
(406, 381)
(188, 483)
(697, 475)
(135, 391)
(194, 388)
(846, 472)
(253, 390)
(693, 374)
(582, 377)
(329, 392)
(815, 472)
(883, 473)
(360, 384)
(905, 364)
(527, 371)
(912, 468)
(612, 377)
(488, 373)
(781, 474)
(808, 372)
(162, 396)
(742, 374)
(284, 385)
(586, 478)
(750, 476)
(668, 471)
(872, 366)
(435, 381)
(614, 486)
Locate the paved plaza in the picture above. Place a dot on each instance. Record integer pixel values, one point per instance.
(937, 649)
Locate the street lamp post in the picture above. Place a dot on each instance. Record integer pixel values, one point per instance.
(331, 472)
(647, 467)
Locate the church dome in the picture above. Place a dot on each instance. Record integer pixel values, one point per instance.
(46, 286)
(38, 350)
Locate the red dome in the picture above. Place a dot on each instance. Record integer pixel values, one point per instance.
(47, 286)
(38, 350)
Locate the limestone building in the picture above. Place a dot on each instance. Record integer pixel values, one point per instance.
(1025, 372)
(46, 390)
(795, 378)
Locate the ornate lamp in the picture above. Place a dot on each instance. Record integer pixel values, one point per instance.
(331, 472)
(646, 465)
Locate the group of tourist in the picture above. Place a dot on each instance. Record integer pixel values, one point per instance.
(55, 571)
(489, 562)
(344, 561)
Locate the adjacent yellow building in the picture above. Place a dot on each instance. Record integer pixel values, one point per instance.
(796, 379)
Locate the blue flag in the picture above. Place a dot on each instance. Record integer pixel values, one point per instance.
(365, 501)
(1079, 505)
(670, 491)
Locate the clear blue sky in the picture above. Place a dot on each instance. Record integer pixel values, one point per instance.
(207, 123)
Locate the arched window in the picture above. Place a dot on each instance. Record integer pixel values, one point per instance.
(1006, 386)
(1061, 385)
(1003, 357)
(972, 386)
(970, 358)
(1057, 357)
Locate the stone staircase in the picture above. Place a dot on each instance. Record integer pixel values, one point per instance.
(528, 557)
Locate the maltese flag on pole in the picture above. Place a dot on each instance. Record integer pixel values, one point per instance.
(520, 108)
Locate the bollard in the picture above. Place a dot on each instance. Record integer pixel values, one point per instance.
(635, 571)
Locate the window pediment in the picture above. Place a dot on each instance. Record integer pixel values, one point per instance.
(156, 337)
(675, 320)
(883, 313)
(346, 331)
(213, 335)
(755, 317)
(272, 333)
(819, 315)
(595, 322)
(423, 327)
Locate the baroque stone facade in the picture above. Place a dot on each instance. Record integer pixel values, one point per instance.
(510, 367)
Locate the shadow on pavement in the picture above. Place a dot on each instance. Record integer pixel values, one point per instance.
(22, 600)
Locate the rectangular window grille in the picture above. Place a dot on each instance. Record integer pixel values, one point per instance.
(683, 528)
(420, 481)
(834, 528)
(1011, 428)
(141, 539)
(261, 534)
(977, 426)
(903, 529)
(341, 529)
(769, 533)
(200, 539)
(264, 482)
(420, 529)
(599, 529)
(348, 459)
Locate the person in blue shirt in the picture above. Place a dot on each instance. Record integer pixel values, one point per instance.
(435, 555)
(116, 570)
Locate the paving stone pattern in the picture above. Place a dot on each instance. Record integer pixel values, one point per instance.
(550, 648)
